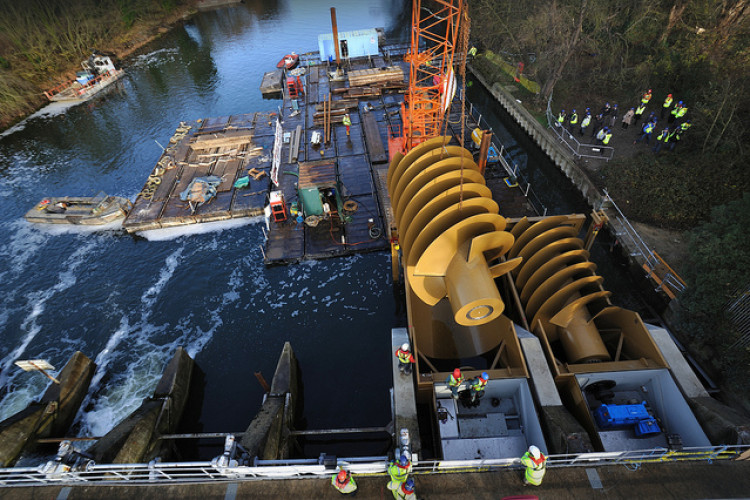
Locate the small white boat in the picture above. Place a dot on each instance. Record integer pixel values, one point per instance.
(81, 210)
(99, 71)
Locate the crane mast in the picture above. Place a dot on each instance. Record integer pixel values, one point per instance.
(432, 83)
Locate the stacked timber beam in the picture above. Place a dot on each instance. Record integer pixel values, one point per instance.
(365, 77)
(334, 111)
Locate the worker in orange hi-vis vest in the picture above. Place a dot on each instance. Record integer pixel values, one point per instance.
(405, 358)
(344, 482)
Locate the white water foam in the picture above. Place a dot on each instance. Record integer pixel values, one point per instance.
(58, 229)
(173, 233)
(22, 393)
(23, 243)
(160, 56)
(37, 302)
(125, 391)
(148, 299)
(196, 344)
(51, 109)
(106, 406)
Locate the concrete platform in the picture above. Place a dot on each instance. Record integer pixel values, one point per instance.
(685, 480)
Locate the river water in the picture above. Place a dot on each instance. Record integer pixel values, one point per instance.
(128, 302)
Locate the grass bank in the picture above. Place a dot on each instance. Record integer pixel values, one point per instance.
(42, 42)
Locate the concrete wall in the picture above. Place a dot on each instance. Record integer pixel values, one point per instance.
(558, 153)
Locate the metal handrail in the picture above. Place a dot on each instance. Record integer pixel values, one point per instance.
(523, 183)
(651, 259)
(190, 472)
(580, 150)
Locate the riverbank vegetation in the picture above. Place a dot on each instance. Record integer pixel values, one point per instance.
(717, 299)
(588, 52)
(43, 41)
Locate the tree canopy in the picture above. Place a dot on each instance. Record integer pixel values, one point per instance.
(696, 50)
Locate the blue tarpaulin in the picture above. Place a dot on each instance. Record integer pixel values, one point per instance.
(200, 190)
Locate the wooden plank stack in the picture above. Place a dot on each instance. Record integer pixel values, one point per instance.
(365, 77)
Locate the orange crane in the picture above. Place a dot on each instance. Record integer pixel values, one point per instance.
(432, 82)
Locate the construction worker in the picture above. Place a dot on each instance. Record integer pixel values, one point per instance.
(662, 138)
(684, 126)
(536, 466)
(399, 471)
(561, 118)
(405, 491)
(600, 135)
(638, 112)
(405, 358)
(472, 52)
(454, 381)
(347, 121)
(585, 123)
(681, 111)
(667, 104)
(604, 136)
(344, 482)
(647, 130)
(572, 121)
(678, 112)
(477, 387)
(645, 98)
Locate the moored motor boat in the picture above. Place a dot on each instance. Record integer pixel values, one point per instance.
(83, 210)
(289, 61)
(99, 71)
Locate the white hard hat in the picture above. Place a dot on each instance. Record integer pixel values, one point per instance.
(405, 346)
(534, 451)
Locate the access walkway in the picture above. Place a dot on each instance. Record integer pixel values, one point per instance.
(685, 480)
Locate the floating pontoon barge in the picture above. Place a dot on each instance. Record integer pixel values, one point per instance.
(313, 153)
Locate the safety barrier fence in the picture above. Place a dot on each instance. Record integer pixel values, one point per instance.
(499, 158)
(579, 149)
(223, 469)
(667, 279)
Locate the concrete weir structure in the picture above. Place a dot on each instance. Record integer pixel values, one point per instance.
(137, 438)
(268, 435)
(52, 414)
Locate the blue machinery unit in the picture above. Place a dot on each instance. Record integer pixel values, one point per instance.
(612, 416)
